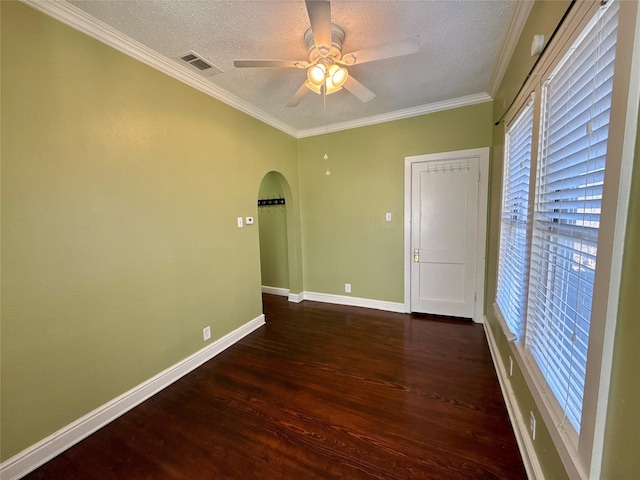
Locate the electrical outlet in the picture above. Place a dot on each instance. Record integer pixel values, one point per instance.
(510, 366)
(347, 288)
(206, 333)
(532, 425)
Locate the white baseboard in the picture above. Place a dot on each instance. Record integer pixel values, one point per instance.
(51, 446)
(520, 427)
(346, 300)
(354, 301)
(283, 292)
(296, 297)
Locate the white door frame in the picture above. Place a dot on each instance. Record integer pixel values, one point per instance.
(483, 189)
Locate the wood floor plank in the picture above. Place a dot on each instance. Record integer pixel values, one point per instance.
(320, 392)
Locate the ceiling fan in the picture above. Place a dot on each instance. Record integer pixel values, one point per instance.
(326, 67)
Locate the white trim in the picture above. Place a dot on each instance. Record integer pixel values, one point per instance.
(509, 335)
(51, 446)
(525, 445)
(398, 114)
(551, 412)
(582, 456)
(578, 15)
(482, 154)
(296, 297)
(76, 18)
(283, 292)
(627, 135)
(516, 24)
(481, 238)
(354, 301)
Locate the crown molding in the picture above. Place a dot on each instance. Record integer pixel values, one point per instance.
(518, 19)
(79, 20)
(398, 114)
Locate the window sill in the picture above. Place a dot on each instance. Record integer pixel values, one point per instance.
(510, 336)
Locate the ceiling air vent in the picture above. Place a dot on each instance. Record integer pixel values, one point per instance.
(199, 64)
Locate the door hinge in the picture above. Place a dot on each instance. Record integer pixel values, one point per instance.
(478, 176)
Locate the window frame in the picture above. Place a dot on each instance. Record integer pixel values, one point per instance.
(582, 454)
(514, 118)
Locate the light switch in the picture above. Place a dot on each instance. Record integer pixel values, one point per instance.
(248, 220)
(239, 222)
(388, 216)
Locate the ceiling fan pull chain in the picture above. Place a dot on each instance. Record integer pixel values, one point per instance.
(326, 133)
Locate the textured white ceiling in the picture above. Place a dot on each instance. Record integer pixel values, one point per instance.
(460, 45)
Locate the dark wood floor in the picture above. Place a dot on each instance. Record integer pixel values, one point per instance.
(320, 392)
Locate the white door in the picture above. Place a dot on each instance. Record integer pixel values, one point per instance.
(444, 221)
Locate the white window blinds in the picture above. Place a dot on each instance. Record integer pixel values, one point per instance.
(513, 256)
(570, 176)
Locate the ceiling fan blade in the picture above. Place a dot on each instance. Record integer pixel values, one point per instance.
(361, 92)
(271, 63)
(380, 52)
(299, 95)
(320, 17)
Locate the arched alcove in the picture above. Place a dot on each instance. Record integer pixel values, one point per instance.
(272, 222)
(277, 226)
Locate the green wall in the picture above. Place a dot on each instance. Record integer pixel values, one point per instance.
(345, 236)
(623, 424)
(621, 459)
(120, 192)
(272, 222)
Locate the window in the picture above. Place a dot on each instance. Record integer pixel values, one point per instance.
(512, 266)
(567, 162)
(576, 102)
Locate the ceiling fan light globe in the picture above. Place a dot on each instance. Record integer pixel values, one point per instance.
(338, 75)
(313, 87)
(317, 74)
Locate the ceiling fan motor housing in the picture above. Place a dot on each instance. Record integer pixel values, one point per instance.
(337, 39)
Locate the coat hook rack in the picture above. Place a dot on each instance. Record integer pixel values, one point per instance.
(270, 202)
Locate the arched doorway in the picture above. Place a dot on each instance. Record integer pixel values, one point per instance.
(273, 196)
